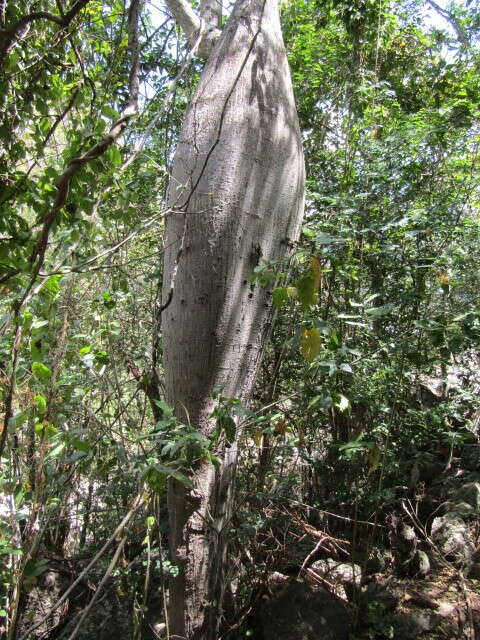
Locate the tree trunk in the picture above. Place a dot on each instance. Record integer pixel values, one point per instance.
(235, 197)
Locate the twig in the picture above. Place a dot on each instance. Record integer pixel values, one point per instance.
(99, 588)
(138, 502)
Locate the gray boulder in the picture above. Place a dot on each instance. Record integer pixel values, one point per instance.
(302, 613)
(420, 564)
(470, 494)
(408, 626)
(451, 535)
(334, 571)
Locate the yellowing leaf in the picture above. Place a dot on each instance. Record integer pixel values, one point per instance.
(374, 458)
(316, 269)
(257, 437)
(281, 427)
(310, 343)
(307, 295)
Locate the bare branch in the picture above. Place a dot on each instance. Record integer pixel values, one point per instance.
(138, 502)
(184, 16)
(453, 22)
(134, 49)
(193, 26)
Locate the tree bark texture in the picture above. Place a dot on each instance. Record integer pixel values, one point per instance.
(235, 198)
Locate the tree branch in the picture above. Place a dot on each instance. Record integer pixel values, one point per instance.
(194, 26)
(453, 22)
(211, 13)
(63, 183)
(20, 28)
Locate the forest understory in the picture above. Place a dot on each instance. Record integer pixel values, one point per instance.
(219, 420)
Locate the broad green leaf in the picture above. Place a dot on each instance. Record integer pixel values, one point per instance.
(55, 451)
(18, 419)
(41, 371)
(40, 404)
(52, 285)
(35, 568)
(81, 445)
(229, 427)
(378, 312)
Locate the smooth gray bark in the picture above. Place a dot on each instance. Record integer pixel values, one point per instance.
(235, 197)
(202, 32)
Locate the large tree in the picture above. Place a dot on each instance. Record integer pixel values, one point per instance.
(235, 198)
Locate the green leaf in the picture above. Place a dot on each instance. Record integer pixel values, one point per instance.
(53, 453)
(34, 568)
(307, 294)
(115, 156)
(109, 112)
(279, 297)
(81, 445)
(11, 551)
(378, 312)
(41, 372)
(52, 285)
(227, 423)
(108, 300)
(40, 404)
(18, 419)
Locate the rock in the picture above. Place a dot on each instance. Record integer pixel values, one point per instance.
(420, 564)
(386, 599)
(404, 544)
(379, 561)
(408, 626)
(475, 571)
(469, 494)
(451, 535)
(160, 629)
(470, 457)
(334, 571)
(446, 608)
(276, 581)
(462, 509)
(301, 613)
(345, 577)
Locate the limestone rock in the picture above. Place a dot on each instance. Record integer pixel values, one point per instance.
(470, 494)
(450, 533)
